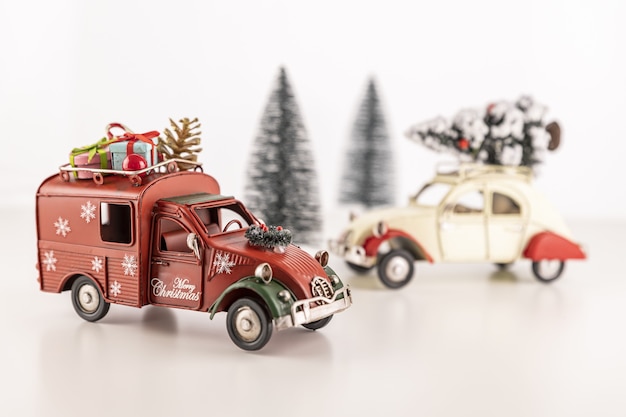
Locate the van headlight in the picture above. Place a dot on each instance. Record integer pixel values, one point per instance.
(264, 271)
(322, 257)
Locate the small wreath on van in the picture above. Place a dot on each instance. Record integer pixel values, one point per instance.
(269, 237)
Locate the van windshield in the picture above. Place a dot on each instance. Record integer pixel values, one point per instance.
(221, 219)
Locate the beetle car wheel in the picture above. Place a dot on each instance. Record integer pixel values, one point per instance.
(358, 268)
(318, 324)
(248, 324)
(395, 269)
(87, 300)
(548, 270)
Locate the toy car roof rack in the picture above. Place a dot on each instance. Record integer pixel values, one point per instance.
(97, 174)
(468, 170)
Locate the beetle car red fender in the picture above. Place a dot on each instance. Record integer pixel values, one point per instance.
(548, 245)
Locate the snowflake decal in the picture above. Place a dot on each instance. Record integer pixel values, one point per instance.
(130, 265)
(88, 211)
(62, 226)
(50, 261)
(116, 289)
(223, 263)
(96, 264)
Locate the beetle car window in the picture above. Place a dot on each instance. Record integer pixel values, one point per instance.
(172, 236)
(471, 202)
(115, 223)
(503, 204)
(432, 194)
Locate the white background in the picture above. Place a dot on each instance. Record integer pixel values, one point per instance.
(459, 340)
(70, 67)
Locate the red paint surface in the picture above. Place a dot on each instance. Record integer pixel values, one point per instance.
(548, 245)
(372, 243)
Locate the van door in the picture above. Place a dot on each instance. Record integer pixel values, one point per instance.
(176, 273)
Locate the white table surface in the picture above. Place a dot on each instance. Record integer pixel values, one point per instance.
(459, 340)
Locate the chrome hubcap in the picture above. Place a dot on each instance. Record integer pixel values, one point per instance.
(88, 298)
(397, 269)
(247, 324)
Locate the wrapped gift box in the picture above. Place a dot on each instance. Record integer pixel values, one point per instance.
(96, 156)
(120, 150)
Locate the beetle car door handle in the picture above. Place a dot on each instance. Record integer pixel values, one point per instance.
(160, 262)
(447, 226)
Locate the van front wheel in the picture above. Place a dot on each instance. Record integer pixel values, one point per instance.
(318, 324)
(248, 324)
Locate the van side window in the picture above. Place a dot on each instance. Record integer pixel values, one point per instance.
(172, 237)
(116, 223)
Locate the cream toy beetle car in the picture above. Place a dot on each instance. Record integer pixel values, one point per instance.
(476, 213)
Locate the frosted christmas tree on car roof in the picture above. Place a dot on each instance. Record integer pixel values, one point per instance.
(503, 133)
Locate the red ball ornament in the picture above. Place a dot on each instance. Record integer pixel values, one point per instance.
(279, 228)
(134, 162)
(463, 144)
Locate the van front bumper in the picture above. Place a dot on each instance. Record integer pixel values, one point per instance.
(302, 311)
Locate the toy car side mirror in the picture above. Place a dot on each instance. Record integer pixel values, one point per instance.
(192, 243)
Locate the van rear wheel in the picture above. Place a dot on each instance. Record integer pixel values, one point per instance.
(87, 299)
(248, 324)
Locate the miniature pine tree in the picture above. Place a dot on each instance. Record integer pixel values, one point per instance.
(503, 134)
(368, 172)
(182, 143)
(282, 183)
